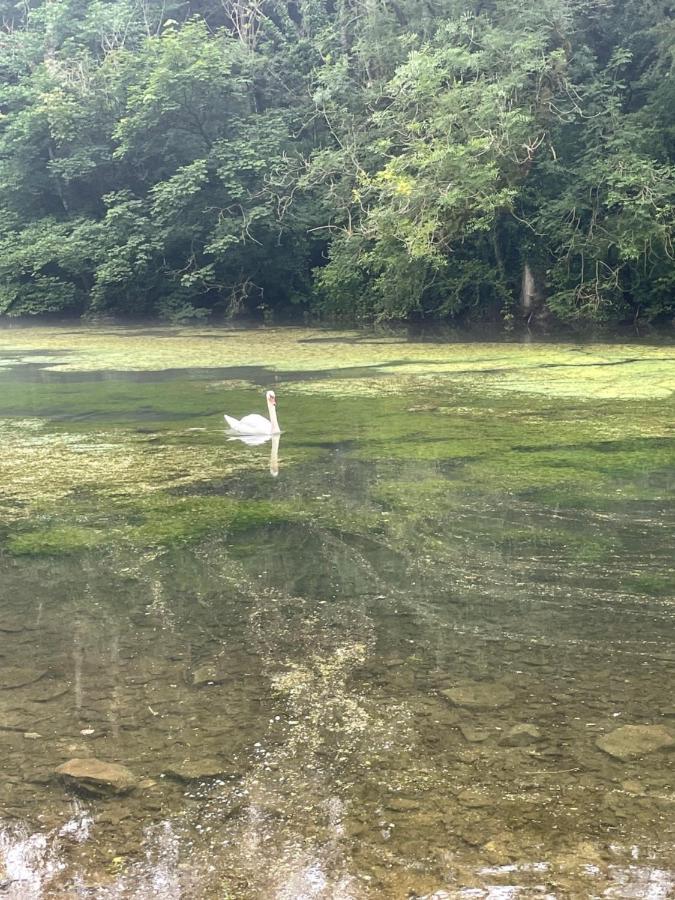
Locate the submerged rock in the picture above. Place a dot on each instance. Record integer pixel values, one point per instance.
(96, 777)
(475, 799)
(207, 674)
(19, 676)
(479, 695)
(633, 741)
(402, 804)
(196, 769)
(47, 689)
(521, 735)
(474, 735)
(632, 787)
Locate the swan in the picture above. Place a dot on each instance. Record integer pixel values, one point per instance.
(255, 424)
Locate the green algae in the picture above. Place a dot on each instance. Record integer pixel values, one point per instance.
(103, 456)
(54, 540)
(167, 523)
(160, 522)
(598, 371)
(484, 408)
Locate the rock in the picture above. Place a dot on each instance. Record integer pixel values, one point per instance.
(401, 804)
(496, 853)
(147, 783)
(474, 799)
(583, 854)
(474, 735)
(473, 833)
(205, 675)
(113, 815)
(96, 777)
(479, 695)
(632, 787)
(47, 689)
(19, 676)
(196, 769)
(12, 626)
(38, 776)
(633, 741)
(521, 735)
(14, 720)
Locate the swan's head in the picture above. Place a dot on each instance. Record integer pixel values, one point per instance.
(271, 398)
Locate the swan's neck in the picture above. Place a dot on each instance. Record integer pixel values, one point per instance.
(273, 417)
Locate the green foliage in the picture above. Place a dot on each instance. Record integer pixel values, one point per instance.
(357, 162)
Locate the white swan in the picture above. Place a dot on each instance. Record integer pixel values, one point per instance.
(255, 424)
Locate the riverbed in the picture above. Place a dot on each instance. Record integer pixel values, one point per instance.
(419, 647)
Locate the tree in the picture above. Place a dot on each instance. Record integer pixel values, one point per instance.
(350, 159)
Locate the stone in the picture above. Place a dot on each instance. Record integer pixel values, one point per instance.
(196, 769)
(425, 407)
(474, 799)
(632, 787)
(38, 776)
(583, 854)
(11, 626)
(479, 695)
(634, 741)
(96, 777)
(474, 735)
(48, 689)
(19, 676)
(14, 720)
(496, 853)
(206, 675)
(401, 804)
(473, 833)
(521, 735)
(147, 783)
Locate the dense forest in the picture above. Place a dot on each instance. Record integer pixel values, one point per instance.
(351, 160)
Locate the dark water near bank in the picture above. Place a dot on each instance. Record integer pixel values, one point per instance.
(381, 673)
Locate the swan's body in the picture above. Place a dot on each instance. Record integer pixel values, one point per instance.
(255, 424)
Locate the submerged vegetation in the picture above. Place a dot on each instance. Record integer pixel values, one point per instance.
(462, 160)
(137, 455)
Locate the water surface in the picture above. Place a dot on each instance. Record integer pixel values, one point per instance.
(381, 672)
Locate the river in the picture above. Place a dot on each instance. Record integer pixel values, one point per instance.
(420, 647)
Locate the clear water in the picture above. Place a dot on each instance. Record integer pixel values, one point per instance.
(268, 654)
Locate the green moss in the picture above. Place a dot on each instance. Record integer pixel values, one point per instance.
(159, 521)
(167, 522)
(55, 540)
(657, 584)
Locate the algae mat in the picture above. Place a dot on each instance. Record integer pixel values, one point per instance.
(568, 370)
(381, 659)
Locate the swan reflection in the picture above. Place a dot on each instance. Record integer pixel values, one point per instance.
(253, 440)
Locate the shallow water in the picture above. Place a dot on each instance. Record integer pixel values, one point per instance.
(320, 677)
